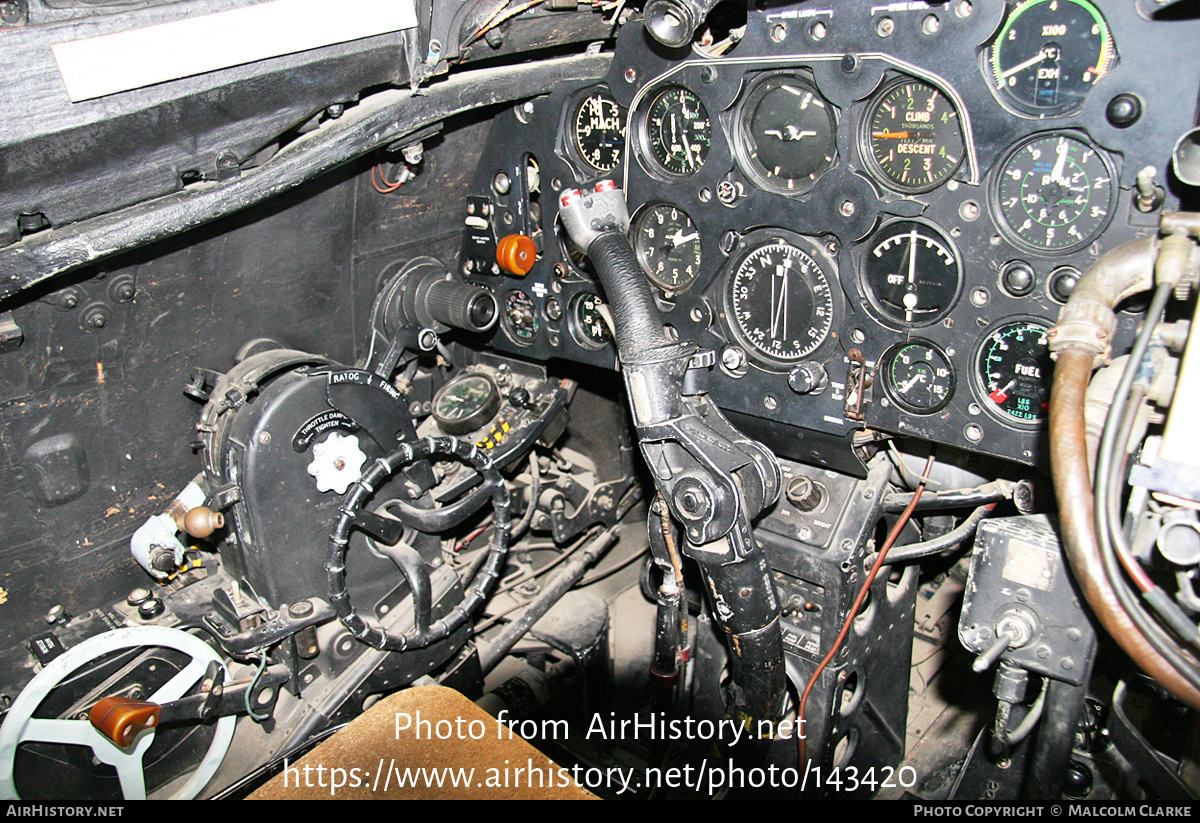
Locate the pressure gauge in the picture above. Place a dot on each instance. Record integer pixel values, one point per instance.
(466, 403)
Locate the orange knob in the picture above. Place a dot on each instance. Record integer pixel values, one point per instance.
(516, 254)
(121, 719)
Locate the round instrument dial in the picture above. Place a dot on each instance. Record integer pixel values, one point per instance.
(598, 131)
(1013, 372)
(520, 317)
(779, 302)
(786, 134)
(913, 137)
(466, 403)
(1048, 54)
(918, 377)
(911, 274)
(1055, 193)
(677, 132)
(667, 244)
(587, 325)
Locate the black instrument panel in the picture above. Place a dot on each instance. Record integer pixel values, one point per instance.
(870, 215)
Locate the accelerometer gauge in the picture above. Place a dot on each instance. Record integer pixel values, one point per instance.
(786, 135)
(1012, 372)
(1055, 193)
(667, 244)
(598, 131)
(913, 137)
(1048, 54)
(676, 131)
(520, 317)
(586, 322)
(466, 403)
(918, 377)
(779, 302)
(911, 274)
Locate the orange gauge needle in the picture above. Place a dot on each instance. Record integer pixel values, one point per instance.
(901, 134)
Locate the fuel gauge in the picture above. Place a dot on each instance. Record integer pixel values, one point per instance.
(1013, 372)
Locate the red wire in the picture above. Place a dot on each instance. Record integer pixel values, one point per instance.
(390, 186)
(866, 586)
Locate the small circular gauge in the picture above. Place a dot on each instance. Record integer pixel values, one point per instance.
(466, 403)
(520, 317)
(779, 302)
(677, 132)
(911, 274)
(598, 131)
(918, 377)
(667, 244)
(587, 325)
(1055, 193)
(786, 135)
(913, 137)
(1012, 372)
(1048, 54)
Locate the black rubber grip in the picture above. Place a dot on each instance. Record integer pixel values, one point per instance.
(639, 326)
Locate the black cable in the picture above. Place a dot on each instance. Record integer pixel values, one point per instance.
(1154, 634)
(917, 551)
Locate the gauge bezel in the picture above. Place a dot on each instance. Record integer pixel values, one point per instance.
(811, 247)
(874, 305)
(641, 216)
(744, 145)
(893, 391)
(1008, 100)
(482, 415)
(507, 321)
(645, 153)
(570, 138)
(574, 324)
(1011, 234)
(979, 386)
(871, 163)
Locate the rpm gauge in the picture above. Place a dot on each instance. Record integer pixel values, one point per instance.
(913, 137)
(779, 302)
(667, 244)
(786, 134)
(677, 132)
(1013, 372)
(598, 131)
(1048, 55)
(1055, 193)
(911, 274)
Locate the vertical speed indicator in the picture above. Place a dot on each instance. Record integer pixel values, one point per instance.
(913, 137)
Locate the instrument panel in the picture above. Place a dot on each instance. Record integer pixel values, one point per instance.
(871, 215)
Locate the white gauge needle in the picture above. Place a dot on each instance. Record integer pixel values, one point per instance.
(680, 238)
(1057, 174)
(919, 377)
(1037, 58)
(779, 305)
(910, 299)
